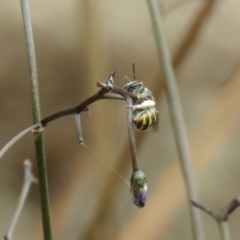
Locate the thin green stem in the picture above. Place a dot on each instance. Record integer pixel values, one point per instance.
(31, 60)
(39, 144)
(176, 116)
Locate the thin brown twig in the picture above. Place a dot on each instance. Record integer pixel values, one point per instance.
(105, 88)
(205, 209)
(120, 94)
(231, 207)
(131, 136)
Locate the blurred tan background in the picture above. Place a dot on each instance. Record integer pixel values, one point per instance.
(79, 43)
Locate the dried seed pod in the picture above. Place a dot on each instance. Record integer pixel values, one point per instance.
(139, 188)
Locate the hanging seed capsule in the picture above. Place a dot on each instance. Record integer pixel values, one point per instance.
(139, 188)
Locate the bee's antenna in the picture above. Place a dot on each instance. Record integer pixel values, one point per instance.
(128, 78)
(133, 67)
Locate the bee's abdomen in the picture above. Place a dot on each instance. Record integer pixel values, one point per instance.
(145, 119)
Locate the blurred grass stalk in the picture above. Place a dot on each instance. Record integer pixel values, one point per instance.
(176, 116)
(39, 144)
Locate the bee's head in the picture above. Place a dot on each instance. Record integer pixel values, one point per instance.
(133, 86)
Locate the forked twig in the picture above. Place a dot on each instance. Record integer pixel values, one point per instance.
(231, 207)
(103, 93)
(28, 180)
(221, 217)
(207, 210)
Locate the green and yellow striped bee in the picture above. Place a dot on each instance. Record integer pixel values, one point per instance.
(145, 114)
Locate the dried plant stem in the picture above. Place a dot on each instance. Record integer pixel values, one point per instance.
(17, 138)
(131, 137)
(39, 144)
(176, 116)
(28, 180)
(76, 110)
(105, 88)
(78, 124)
(222, 217)
(205, 209)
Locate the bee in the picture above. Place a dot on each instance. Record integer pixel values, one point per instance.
(145, 114)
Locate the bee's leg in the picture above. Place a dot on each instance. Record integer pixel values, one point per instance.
(134, 107)
(148, 104)
(144, 105)
(144, 96)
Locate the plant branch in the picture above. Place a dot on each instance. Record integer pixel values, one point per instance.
(79, 108)
(231, 207)
(78, 124)
(17, 138)
(131, 137)
(222, 217)
(113, 96)
(176, 115)
(101, 94)
(205, 209)
(39, 144)
(28, 180)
